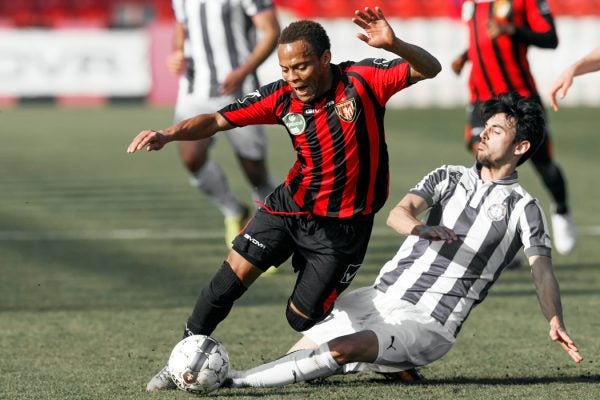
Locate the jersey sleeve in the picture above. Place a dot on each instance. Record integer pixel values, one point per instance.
(178, 10)
(432, 185)
(255, 108)
(385, 77)
(253, 7)
(534, 231)
(538, 15)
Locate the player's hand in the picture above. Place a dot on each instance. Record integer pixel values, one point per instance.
(559, 335)
(561, 86)
(151, 140)
(458, 64)
(378, 32)
(233, 82)
(176, 62)
(435, 233)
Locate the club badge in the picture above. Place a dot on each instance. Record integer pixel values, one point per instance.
(502, 8)
(496, 212)
(295, 123)
(346, 110)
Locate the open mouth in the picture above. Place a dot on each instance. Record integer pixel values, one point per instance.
(301, 90)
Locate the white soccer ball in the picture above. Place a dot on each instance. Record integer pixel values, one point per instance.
(198, 364)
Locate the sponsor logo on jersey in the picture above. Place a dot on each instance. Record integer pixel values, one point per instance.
(468, 9)
(250, 95)
(382, 62)
(496, 212)
(350, 273)
(254, 241)
(346, 110)
(295, 123)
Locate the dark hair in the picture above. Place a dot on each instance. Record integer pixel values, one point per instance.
(309, 31)
(528, 115)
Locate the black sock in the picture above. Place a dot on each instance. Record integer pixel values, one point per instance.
(215, 302)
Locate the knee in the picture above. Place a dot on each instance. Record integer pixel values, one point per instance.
(193, 157)
(298, 322)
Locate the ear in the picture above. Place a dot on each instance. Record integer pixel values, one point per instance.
(326, 57)
(522, 147)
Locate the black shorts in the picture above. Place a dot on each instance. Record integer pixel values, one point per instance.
(476, 125)
(326, 253)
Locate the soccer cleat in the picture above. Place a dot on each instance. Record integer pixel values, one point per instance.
(408, 376)
(270, 271)
(563, 230)
(233, 380)
(234, 225)
(161, 381)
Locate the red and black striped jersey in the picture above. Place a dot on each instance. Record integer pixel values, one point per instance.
(342, 167)
(500, 65)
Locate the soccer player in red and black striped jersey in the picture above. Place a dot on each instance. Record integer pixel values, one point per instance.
(322, 215)
(500, 32)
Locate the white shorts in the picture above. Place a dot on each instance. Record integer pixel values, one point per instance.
(249, 142)
(407, 336)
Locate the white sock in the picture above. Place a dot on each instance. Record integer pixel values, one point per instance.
(211, 180)
(299, 366)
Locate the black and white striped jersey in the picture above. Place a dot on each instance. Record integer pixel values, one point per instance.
(492, 221)
(220, 36)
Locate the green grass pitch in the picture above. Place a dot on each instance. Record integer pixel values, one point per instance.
(102, 255)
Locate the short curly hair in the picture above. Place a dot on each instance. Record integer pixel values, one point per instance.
(309, 31)
(528, 115)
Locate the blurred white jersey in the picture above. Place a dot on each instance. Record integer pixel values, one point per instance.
(492, 221)
(220, 36)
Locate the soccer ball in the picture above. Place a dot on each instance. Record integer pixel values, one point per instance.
(198, 364)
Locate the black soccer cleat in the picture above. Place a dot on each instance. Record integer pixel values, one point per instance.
(408, 376)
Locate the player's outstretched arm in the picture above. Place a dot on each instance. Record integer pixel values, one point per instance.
(589, 63)
(378, 33)
(548, 293)
(199, 127)
(267, 24)
(403, 219)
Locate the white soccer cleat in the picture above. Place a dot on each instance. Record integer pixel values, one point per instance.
(563, 230)
(161, 381)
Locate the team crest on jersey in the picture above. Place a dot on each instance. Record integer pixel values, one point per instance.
(496, 212)
(502, 8)
(468, 9)
(346, 110)
(295, 123)
(350, 273)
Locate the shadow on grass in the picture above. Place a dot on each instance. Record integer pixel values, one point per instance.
(510, 381)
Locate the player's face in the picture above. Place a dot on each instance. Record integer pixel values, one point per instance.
(496, 147)
(307, 74)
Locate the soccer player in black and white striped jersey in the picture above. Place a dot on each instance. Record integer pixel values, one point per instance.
(218, 46)
(478, 219)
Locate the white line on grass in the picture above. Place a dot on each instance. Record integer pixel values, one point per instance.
(150, 234)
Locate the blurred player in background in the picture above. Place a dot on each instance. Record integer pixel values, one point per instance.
(589, 63)
(478, 218)
(322, 215)
(500, 31)
(218, 47)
